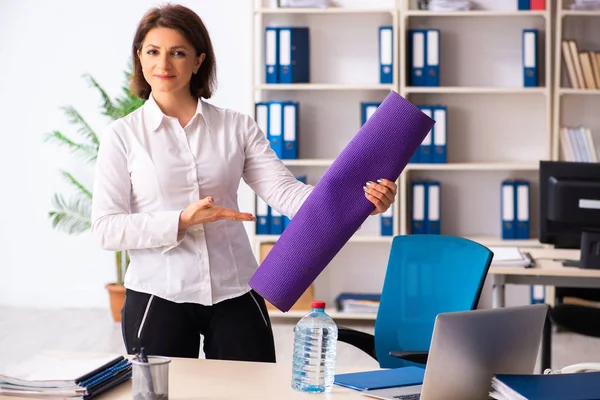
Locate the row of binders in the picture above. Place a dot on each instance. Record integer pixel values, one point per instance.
(578, 144)
(515, 203)
(278, 120)
(426, 211)
(424, 47)
(583, 68)
(433, 148)
(533, 5)
(287, 54)
(270, 222)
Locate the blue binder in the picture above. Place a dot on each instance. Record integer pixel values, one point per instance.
(290, 130)
(575, 386)
(386, 54)
(275, 134)
(262, 217)
(433, 200)
(294, 55)
(275, 222)
(419, 206)
(387, 222)
(530, 58)
(286, 219)
(432, 75)
(440, 135)
(426, 147)
(524, 5)
(508, 198)
(417, 48)
(522, 211)
(537, 294)
(367, 110)
(271, 55)
(261, 116)
(381, 379)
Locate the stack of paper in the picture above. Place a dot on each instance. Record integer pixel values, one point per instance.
(65, 375)
(449, 5)
(585, 5)
(510, 257)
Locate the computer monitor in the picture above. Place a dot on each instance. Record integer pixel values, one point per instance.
(570, 208)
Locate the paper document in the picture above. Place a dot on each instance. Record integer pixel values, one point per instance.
(510, 257)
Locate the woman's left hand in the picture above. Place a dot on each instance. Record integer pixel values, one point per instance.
(381, 194)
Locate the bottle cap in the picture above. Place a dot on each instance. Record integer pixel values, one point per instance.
(318, 304)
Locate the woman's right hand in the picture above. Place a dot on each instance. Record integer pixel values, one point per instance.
(203, 210)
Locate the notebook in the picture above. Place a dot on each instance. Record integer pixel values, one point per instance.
(578, 386)
(510, 256)
(381, 379)
(56, 369)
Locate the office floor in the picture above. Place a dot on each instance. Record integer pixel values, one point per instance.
(26, 331)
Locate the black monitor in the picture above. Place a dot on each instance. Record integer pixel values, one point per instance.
(570, 209)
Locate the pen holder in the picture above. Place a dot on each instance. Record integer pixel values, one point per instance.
(150, 381)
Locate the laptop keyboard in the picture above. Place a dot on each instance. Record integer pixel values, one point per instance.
(415, 396)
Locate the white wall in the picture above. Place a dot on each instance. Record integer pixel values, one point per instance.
(46, 47)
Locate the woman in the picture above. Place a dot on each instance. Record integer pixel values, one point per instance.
(166, 190)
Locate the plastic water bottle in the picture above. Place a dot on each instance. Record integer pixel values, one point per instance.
(315, 340)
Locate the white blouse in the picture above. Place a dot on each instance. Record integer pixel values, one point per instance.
(149, 169)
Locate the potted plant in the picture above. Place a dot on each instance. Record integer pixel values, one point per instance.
(73, 215)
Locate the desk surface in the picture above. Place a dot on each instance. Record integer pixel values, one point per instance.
(196, 379)
(547, 264)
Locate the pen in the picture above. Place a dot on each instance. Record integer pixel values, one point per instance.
(146, 370)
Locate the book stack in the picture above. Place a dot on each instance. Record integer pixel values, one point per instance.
(578, 144)
(64, 375)
(583, 67)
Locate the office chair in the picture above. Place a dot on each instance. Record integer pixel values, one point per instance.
(426, 275)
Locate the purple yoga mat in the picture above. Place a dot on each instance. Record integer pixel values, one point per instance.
(337, 206)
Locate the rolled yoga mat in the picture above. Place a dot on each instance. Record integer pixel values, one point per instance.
(337, 206)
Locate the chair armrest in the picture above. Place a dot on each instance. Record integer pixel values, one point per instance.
(361, 340)
(414, 356)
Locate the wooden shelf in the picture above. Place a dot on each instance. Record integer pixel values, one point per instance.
(323, 86)
(336, 315)
(475, 90)
(474, 167)
(357, 238)
(493, 241)
(476, 13)
(578, 92)
(579, 13)
(310, 162)
(328, 10)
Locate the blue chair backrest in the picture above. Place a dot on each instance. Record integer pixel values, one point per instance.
(426, 275)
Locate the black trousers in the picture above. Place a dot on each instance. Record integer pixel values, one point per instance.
(235, 329)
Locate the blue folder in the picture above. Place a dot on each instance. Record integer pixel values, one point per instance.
(577, 386)
(381, 379)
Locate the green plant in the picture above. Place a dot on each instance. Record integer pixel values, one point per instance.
(73, 215)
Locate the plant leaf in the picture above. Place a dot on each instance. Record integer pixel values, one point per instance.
(73, 216)
(109, 108)
(84, 129)
(89, 153)
(82, 189)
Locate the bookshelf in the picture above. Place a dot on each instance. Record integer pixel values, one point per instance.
(489, 111)
(574, 106)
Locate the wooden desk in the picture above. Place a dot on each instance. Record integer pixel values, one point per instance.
(195, 379)
(548, 271)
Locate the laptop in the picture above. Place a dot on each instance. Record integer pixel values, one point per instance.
(469, 348)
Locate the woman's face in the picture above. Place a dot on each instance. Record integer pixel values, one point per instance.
(168, 60)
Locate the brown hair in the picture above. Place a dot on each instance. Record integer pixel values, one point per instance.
(189, 24)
